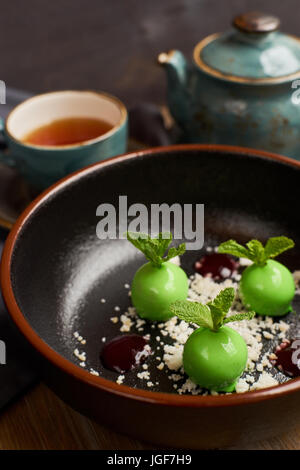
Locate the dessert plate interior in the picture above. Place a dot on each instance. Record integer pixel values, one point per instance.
(60, 270)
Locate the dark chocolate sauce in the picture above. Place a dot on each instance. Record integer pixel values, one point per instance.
(288, 358)
(123, 353)
(216, 265)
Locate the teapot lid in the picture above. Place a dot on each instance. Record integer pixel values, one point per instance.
(254, 52)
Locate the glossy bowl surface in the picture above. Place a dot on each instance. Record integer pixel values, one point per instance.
(55, 271)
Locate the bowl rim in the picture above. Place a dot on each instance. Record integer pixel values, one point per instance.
(64, 364)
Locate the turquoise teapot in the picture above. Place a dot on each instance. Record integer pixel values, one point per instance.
(241, 88)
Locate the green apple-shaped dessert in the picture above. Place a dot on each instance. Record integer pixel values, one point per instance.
(266, 286)
(159, 282)
(215, 355)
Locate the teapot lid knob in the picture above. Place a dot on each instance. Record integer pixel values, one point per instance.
(256, 22)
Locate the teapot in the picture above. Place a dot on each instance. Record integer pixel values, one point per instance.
(241, 88)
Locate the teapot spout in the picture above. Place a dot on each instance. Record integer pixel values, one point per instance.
(176, 67)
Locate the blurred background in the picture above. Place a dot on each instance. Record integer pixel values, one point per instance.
(112, 45)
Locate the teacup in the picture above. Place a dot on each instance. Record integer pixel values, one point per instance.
(42, 165)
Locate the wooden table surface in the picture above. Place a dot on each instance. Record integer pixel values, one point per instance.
(40, 420)
(53, 45)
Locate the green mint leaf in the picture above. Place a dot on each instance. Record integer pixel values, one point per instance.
(213, 314)
(220, 306)
(277, 245)
(155, 248)
(256, 252)
(193, 312)
(145, 244)
(239, 317)
(175, 251)
(231, 247)
(224, 300)
(161, 242)
(217, 317)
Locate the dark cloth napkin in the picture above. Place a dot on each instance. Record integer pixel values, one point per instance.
(20, 369)
(147, 128)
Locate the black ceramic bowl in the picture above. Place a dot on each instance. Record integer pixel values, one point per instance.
(55, 271)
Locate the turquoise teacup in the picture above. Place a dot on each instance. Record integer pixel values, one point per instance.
(42, 165)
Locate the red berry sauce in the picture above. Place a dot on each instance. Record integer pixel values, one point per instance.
(288, 358)
(123, 353)
(216, 265)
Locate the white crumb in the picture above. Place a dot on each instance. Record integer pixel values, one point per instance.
(120, 379)
(79, 355)
(143, 375)
(265, 380)
(245, 262)
(175, 260)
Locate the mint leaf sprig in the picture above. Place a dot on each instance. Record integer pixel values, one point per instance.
(255, 251)
(155, 248)
(211, 315)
